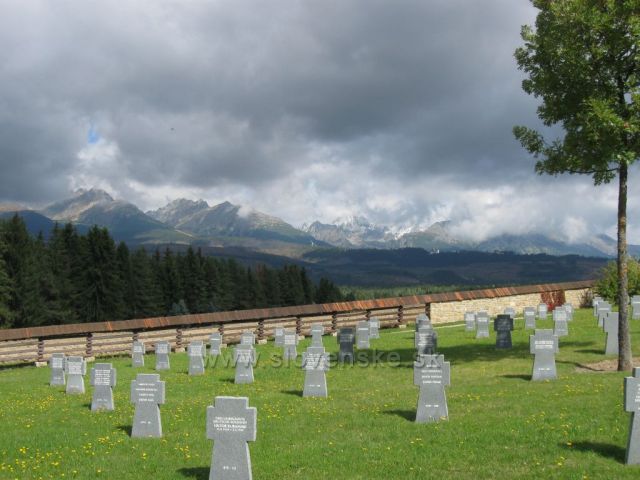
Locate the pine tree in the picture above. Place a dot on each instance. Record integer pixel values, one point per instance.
(6, 288)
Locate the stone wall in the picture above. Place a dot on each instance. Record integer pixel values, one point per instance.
(454, 311)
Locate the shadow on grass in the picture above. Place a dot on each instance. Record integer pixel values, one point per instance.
(606, 450)
(409, 415)
(518, 377)
(599, 351)
(199, 473)
(297, 393)
(125, 428)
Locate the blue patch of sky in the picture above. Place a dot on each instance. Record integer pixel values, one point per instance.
(92, 135)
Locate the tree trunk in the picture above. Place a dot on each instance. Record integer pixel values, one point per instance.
(624, 339)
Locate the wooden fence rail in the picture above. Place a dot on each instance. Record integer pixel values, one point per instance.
(36, 344)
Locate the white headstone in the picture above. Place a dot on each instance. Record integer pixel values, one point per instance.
(147, 393)
(103, 379)
(75, 368)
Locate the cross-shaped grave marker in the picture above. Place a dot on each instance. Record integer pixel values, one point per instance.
(290, 343)
(75, 368)
(315, 363)
(542, 311)
(317, 331)
(137, 354)
(346, 339)
(103, 378)
(247, 338)
(635, 307)
(278, 335)
(560, 323)
(596, 300)
(470, 321)
(426, 341)
(362, 335)
(374, 328)
(244, 355)
(544, 346)
(56, 362)
(431, 373)
(147, 393)
(482, 324)
(196, 352)
(215, 342)
(632, 404)
(422, 320)
(510, 311)
(503, 325)
(603, 310)
(529, 318)
(611, 329)
(162, 355)
(231, 423)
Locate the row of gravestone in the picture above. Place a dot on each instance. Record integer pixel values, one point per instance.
(599, 302)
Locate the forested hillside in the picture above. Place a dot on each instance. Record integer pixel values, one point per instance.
(73, 277)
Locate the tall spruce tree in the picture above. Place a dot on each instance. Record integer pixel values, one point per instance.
(6, 287)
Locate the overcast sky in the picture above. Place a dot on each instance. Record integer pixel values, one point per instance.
(397, 110)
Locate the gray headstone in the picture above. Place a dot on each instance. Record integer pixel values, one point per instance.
(147, 393)
(247, 338)
(163, 349)
(426, 341)
(542, 311)
(510, 311)
(603, 310)
(569, 309)
(56, 362)
(315, 362)
(560, 323)
(137, 354)
(503, 325)
(635, 308)
(595, 302)
(317, 331)
(529, 318)
(470, 321)
(346, 339)
(231, 423)
(75, 368)
(482, 324)
(422, 320)
(374, 327)
(290, 345)
(244, 356)
(196, 352)
(362, 335)
(611, 329)
(215, 341)
(431, 373)
(279, 337)
(544, 346)
(103, 378)
(632, 405)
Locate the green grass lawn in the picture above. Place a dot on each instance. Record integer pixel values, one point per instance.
(501, 424)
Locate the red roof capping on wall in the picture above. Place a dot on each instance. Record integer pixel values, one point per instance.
(264, 313)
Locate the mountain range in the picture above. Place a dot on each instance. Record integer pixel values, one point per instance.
(188, 222)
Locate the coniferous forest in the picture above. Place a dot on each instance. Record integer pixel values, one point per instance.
(72, 278)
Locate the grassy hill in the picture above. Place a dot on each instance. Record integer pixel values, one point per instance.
(501, 424)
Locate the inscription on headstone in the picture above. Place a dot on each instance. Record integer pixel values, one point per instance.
(632, 405)
(362, 335)
(431, 373)
(279, 337)
(542, 311)
(374, 327)
(162, 355)
(215, 342)
(196, 353)
(529, 318)
(76, 368)
(544, 346)
(317, 331)
(315, 362)
(611, 329)
(503, 325)
(231, 423)
(426, 341)
(346, 340)
(482, 324)
(290, 345)
(244, 356)
(137, 354)
(56, 362)
(103, 378)
(147, 394)
(470, 321)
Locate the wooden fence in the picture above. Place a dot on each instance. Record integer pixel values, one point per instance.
(36, 344)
